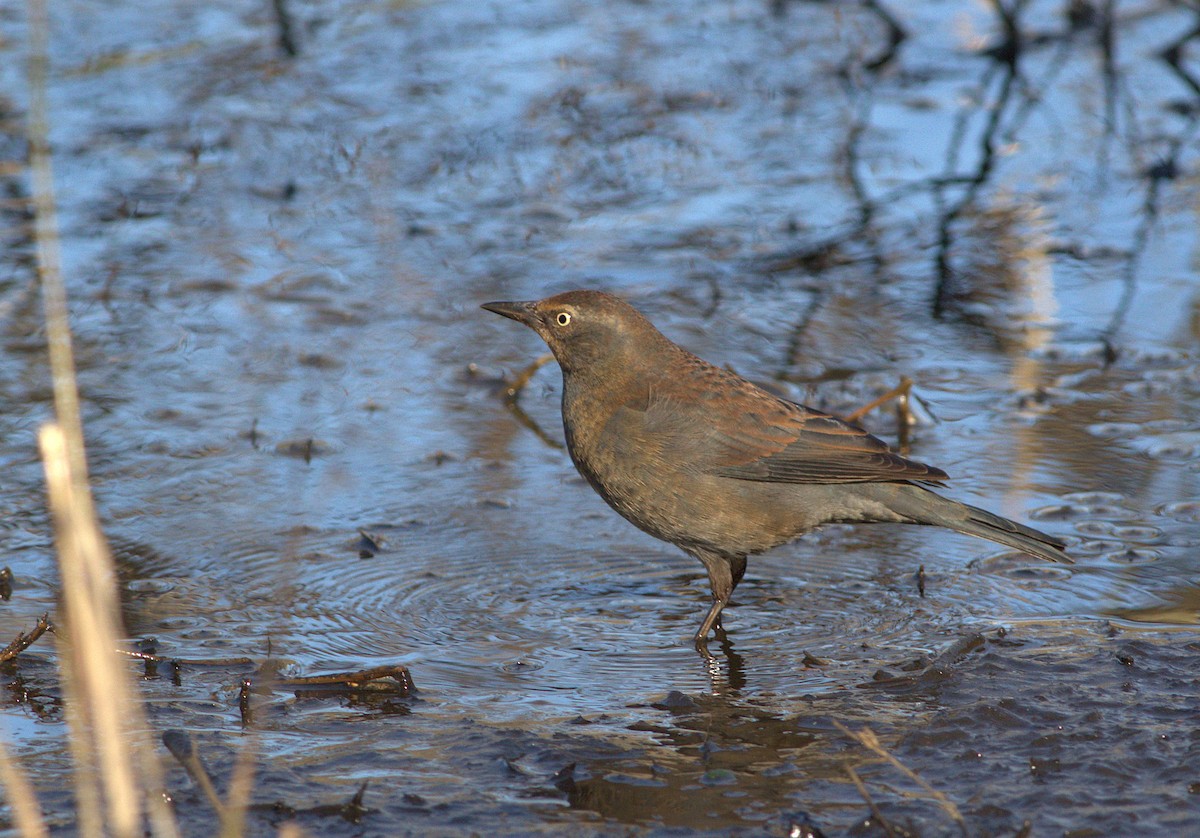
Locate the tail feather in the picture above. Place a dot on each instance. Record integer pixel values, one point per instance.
(923, 506)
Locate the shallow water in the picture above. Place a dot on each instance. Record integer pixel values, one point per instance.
(276, 264)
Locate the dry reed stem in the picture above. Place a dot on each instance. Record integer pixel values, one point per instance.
(27, 814)
(115, 766)
(45, 232)
(237, 801)
(87, 790)
(88, 637)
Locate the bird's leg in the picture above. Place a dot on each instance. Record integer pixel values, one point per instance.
(724, 573)
(710, 620)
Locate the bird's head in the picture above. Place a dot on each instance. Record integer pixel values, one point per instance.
(586, 330)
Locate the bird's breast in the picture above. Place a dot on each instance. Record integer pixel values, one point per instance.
(647, 459)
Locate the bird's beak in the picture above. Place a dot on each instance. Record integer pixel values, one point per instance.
(521, 312)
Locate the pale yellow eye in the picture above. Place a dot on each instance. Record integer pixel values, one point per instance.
(563, 319)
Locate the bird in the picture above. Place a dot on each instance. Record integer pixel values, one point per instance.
(704, 459)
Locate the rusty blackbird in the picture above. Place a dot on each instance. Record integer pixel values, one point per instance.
(700, 457)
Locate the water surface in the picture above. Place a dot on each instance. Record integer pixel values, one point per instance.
(275, 267)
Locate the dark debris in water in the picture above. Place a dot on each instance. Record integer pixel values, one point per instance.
(304, 448)
(393, 680)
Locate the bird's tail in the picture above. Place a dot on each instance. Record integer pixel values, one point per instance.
(921, 506)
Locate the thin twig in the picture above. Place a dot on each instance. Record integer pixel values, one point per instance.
(153, 658)
(875, 813)
(867, 738)
(900, 391)
(512, 389)
(23, 641)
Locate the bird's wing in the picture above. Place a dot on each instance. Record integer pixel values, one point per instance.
(814, 448)
(746, 433)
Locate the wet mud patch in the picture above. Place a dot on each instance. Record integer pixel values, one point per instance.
(997, 725)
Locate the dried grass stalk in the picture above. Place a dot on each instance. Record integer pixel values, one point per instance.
(27, 814)
(116, 769)
(118, 775)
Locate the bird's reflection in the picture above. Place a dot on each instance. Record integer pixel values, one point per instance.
(725, 670)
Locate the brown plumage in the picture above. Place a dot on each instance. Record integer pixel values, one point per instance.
(702, 458)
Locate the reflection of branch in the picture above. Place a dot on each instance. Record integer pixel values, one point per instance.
(283, 20)
(943, 289)
(896, 33)
(895, 37)
(1108, 53)
(1007, 98)
(525, 419)
(1165, 168)
(867, 208)
(792, 351)
(1173, 55)
(512, 393)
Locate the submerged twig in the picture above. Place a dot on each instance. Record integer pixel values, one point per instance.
(23, 641)
(514, 407)
(153, 658)
(902, 394)
(354, 680)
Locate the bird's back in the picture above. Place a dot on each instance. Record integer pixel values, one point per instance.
(691, 452)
